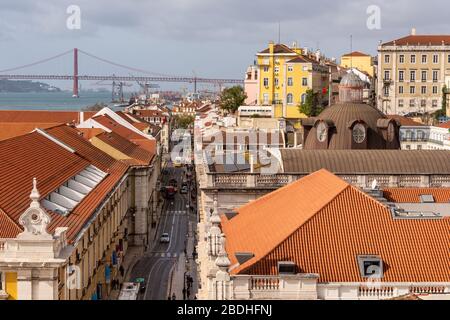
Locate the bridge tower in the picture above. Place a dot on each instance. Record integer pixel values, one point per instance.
(75, 73)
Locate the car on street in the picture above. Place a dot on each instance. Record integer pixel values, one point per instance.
(165, 238)
(184, 189)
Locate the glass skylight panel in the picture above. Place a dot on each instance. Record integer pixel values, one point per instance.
(72, 192)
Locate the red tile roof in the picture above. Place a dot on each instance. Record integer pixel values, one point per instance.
(34, 155)
(112, 125)
(356, 54)
(404, 121)
(14, 129)
(435, 40)
(322, 224)
(139, 155)
(445, 125)
(279, 48)
(412, 195)
(8, 227)
(43, 116)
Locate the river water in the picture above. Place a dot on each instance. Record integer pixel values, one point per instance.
(51, 100)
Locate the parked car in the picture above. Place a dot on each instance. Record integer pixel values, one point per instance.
(165, 238)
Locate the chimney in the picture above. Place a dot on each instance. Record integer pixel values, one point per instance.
(413, 31)
(271, 47)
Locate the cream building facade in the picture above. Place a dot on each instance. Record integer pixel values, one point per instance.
(412, 72)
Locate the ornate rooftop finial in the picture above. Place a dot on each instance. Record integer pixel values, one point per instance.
(34, 195)
(35, 219)
(222, 260)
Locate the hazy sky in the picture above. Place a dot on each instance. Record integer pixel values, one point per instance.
(213, 38)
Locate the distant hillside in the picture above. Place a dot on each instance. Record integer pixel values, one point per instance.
(26, 86)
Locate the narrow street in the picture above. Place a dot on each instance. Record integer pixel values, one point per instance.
(159, 264)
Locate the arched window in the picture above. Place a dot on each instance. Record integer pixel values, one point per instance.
(303, 98)
(289, 98)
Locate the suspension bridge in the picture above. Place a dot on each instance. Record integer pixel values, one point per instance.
(76, 77)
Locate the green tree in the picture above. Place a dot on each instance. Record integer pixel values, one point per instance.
(311, 106)
(443, 111)
(184, 121)
(232, 98)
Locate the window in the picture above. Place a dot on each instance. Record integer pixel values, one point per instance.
(400, 103)
(424, 58)
(276, 82)
(424, 75)
(290, 82)
(434, 103)
(413, 58)
(359, 133)
(304, 82)
(303, 99)
(401, 75)
(400, 89)
(289, 98)
(423, 103)
(408, 147)
(435, 89)
(435, 75)
(305, 68)
(265, 98)
(387, 58)
(266, 82)
(286, 267)
(448, 58)
(412, 103)
(412, 89)
(386, 91)
(290, 68)
(419, 147)
(266, 69)
(387, 75)
(412, 76)
(370, 266)
(423, 90)
(402, 58)
(277, 69)
(322, 132)
(435, 58)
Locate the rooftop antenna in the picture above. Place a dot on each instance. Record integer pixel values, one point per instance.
(351, 52)
(279, 32)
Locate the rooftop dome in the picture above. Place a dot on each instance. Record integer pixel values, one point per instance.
(351, 89)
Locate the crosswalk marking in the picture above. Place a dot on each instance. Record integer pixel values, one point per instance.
(176, 212)
(163, 254)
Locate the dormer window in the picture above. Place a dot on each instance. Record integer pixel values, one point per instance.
(322, 132)
(359, 133)
(286, 267)
(370, 266)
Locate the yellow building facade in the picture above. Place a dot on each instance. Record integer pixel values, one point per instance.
(286, 73)
(361, 61)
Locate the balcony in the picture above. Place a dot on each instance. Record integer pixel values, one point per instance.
(248, 180)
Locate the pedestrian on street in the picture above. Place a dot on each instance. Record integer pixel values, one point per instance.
(122, 271)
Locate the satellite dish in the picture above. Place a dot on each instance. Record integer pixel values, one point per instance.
(374, 184)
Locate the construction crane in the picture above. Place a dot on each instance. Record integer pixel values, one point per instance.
(116, 91)
(145, 86)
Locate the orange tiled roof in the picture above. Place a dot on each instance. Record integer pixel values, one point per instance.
(412, 195)
(445, 125)
(43, 116)
(279, 48)
(435, 40)
(356, 54)
(73, 138)
(109, 123)
(89, 133)
(139, 155)
(8, 227)
(33, 155)
(404, 121)
(14, 129)
(322, 224)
